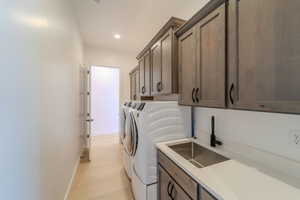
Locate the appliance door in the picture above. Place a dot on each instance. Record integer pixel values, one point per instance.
(123, 118)
(135, 132)
(128, 142)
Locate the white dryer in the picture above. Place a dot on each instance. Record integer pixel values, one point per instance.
(123, 117)
(126, 138)
(155, 122)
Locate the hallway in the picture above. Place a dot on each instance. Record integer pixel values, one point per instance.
(103, 178)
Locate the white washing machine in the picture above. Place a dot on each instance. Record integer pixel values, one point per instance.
(155, 122)
(126, 137)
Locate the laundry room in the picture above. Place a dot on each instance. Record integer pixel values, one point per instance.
(150, 100)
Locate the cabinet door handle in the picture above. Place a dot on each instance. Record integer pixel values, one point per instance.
(168, 189)
(143, 89)
(173, 193)
(196, 95)
(159, 86)
(230, 93)
(193, 93)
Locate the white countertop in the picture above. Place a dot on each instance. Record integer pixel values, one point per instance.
(232, 180)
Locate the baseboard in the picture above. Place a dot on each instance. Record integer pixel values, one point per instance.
(72, 179)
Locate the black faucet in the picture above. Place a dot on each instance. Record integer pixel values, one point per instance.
(213, 140)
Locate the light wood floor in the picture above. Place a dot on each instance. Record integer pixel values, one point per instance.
(104, 177)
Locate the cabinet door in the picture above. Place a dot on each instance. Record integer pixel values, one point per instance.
(147, 76)
(132, 86)
(187, 67)
(264, 55)
(142, 76)
(156, 69)
(137, 87)
(168, 189)
(167, 65)
(211, 59)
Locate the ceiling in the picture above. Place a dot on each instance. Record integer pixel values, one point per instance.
(137, 21)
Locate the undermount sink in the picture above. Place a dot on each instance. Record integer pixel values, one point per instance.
(197, 155)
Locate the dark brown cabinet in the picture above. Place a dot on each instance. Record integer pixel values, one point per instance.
(175, 184)
(169, 68)
(264, 55)
(168, 189)
(156, 84)
(145, 75)
(179, 176)
(163, 65)
(141, 75)
(134, 84)
(202, 61)
(187, 67)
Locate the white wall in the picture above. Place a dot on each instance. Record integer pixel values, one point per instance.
(105, 100)
(40, 54)
(257, 138)
(125, 61)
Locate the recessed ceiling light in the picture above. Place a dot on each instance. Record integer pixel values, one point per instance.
(117, 36)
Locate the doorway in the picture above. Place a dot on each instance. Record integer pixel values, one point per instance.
(105, 89)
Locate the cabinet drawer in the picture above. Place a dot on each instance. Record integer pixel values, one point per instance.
(181, 178)
(168, 189)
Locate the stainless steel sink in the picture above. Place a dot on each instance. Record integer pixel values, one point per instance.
(197, 155)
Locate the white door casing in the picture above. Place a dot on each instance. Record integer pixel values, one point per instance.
(85, 96)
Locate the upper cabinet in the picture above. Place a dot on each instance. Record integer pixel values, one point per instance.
(158, 62)
(202, 61)
(241, 54)
(264, 55)
(156, 69)
(145, 75)
(187, 67)
(134, 84)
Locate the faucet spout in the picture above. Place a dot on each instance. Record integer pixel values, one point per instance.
(213, 139)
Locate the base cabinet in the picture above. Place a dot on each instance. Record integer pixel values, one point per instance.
(175, 184)
(168, 189)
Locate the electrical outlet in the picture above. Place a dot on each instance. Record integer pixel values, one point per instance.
(295, 138)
